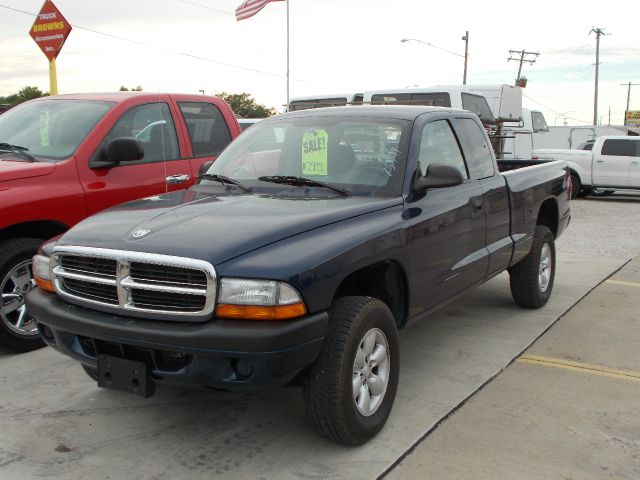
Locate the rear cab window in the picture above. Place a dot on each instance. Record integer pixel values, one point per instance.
(437, 99)
(538, 122)
(317, 103)
(208, 131)
(478, 105)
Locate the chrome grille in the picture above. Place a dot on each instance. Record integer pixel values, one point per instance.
(135, 283)
(89, 265)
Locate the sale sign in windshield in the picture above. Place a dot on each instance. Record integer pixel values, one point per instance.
(50, 30)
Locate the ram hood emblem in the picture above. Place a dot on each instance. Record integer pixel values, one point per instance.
(141, 232)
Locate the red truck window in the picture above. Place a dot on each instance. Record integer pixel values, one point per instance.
(208, 131)
(153, 126)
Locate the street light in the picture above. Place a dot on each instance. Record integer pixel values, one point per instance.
(466, 51)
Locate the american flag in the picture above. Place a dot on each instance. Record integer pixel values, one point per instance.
(249, 8)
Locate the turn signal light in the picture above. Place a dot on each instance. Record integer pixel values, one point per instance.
(253, 312)
(45, 284)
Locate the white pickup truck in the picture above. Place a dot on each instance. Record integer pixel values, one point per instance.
(612, 163)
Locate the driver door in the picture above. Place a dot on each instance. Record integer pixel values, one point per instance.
(161, 170)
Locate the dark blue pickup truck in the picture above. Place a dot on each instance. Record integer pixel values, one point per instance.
(313, 238)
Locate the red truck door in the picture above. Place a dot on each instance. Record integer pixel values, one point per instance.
(164, 167)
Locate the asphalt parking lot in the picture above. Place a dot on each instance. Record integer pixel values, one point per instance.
(482, 393)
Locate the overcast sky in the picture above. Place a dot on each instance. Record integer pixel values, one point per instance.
(336, 46)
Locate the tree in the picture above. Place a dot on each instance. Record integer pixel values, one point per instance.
(245, 106)
(135, 89)
(26, 93)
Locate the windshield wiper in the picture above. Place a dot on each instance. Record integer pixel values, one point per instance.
(7, 147)
(224, 180)
(302, 181)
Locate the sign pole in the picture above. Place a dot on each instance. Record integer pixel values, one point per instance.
(53, 78)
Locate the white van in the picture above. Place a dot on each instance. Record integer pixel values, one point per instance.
(439, 96)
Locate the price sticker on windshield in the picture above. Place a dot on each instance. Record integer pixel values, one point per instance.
(44, 128)
(314, 152)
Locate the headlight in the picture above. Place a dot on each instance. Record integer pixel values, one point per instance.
(258, 300)
(42, 273)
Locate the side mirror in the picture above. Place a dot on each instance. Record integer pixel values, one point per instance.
(439, 175)
(124, 149)
(121, 149)
(204, 167)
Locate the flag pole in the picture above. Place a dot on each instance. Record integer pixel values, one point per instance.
(287, 54)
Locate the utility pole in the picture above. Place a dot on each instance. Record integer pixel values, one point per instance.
(599, 32)
(522, 54)
(628, 85)
(466, 55)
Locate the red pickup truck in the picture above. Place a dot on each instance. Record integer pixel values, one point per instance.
(67, 157)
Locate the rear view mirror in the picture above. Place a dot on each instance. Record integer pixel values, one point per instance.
(439, 175)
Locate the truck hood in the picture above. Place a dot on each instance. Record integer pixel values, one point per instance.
(16, 169)
(212, 227)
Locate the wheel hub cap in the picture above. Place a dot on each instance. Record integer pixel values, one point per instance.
(544, 272)
(371, 369)
(13, 310)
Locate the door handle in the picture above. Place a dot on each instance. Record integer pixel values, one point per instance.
(599, 161)
(635, 162)
(176, 179)
(477, 205)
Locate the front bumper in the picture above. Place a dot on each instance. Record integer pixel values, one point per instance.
(225, 354)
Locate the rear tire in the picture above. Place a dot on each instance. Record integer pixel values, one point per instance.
(576, 186)
(532, 278)
(350, 390)
(18, 331)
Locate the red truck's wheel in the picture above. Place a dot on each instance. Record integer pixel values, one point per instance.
(351, 387)
(17, 328)
(532, 278)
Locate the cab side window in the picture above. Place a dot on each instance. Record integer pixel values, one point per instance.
(477, 150)
(618, 148)
(439, 145)
(208, 131)
(152, 125)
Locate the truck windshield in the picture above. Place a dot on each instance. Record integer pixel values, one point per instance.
(51, 129)
(360, 156)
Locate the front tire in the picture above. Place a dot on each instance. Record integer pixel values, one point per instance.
(18, 330)
(532, 278)
(350, 390)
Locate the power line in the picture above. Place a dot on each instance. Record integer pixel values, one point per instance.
(206, 7)
(552, 110)
(176, 52)
(432, 46)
